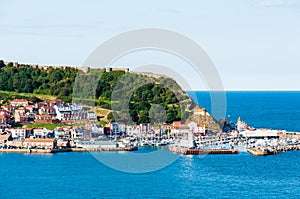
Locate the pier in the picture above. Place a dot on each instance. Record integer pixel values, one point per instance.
(293, 147)
(263, 151)
(187, 151)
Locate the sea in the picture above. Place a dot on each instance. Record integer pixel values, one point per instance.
(81, 175)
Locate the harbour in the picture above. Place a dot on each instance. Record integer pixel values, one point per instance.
(242, 174)
(256, 142)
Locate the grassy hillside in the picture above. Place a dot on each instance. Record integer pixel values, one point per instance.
(141, 97)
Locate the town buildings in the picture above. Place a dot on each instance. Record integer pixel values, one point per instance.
(77, 125)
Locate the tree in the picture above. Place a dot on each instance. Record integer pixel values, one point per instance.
(143, 117)
(113, 116)
(2, 64)
(172, 115)
(10, 65)
(134, 115)
(157, 114)
(156, 100)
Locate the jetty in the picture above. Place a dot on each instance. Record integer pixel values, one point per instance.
(134, 148)
(292, 147)
(262, 151)
(197, 151)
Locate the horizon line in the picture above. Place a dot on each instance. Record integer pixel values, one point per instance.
(246, 90)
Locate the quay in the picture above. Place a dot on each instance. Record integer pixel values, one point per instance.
(27, 151)
(41, 151)
(104, 149)
(187, 151)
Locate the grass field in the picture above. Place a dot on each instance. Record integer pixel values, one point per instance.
(42, 97)
(51, 126)
(47, 126)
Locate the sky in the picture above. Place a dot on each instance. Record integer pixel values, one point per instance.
(254, 44)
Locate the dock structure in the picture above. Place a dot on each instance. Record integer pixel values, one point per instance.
(67, 150)
(260, 152)
(196, 151)
(263, 151)
(134, 148)
(292, 147)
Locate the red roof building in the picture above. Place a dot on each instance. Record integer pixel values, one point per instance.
(19, 102)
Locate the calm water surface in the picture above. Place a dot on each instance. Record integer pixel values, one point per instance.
(73, 175)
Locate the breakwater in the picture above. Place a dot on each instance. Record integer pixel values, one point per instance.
(288, 148)
(262, 151)
(187, 151)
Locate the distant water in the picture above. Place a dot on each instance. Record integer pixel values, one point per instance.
(79, 175)
(276, 110)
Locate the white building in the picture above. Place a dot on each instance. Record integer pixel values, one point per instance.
(40, 132)
(18, 133)
(259, 133)
(70, 112)
(97, 129)
(133, 130)
(91, 115)
(76, 133)
(114, 128)
(199, 129)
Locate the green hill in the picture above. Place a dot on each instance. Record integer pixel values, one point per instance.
(142, 96)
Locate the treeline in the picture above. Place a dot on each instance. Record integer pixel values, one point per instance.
(26, 79)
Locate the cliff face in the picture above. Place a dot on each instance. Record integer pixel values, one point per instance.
(200, 116)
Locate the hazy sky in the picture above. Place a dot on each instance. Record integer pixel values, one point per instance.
(255, 44)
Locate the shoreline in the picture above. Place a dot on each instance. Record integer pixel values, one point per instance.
(41, 151)
(180, 150)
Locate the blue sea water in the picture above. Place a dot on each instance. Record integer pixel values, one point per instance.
(265, 109)
(80, 175)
